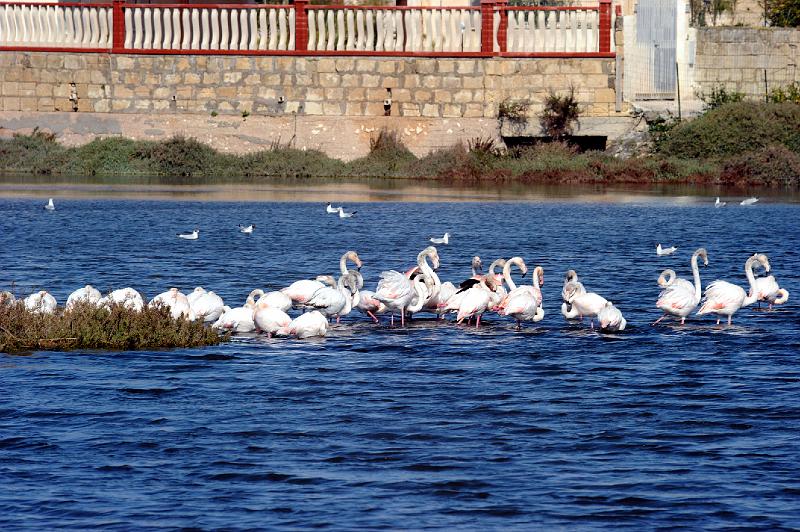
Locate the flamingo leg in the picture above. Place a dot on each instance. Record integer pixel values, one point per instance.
(402, 317)
(591, 323)
(683, 320)
(392, 324)
(519, 325)
(478, 321)
(729, 319)
(659, 319)
(373, 316)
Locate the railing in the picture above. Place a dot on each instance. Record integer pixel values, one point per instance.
(493, 29)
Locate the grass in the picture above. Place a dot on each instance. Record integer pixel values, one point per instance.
(746, 143)
(88, 327)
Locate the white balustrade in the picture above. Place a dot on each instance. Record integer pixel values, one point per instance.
(564, 31)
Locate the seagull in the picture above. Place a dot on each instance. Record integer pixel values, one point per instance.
(665, 251)
(194, 235)
(247, 229)
(330, 209)
(50, 206)
(444, 240)
(343, 214)
(748, 201)
(718, 203)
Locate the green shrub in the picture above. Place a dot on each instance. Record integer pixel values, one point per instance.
(514, 110)
(388, 157)
(88, 327)
(789, 93)
(720, 96)
(560, 114)
(784, 13)
(178, 156)
(733, 129)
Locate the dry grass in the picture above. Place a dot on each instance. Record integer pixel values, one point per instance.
(88, 327)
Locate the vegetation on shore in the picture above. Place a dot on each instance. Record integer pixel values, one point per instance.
(86, 326)
(733, 143)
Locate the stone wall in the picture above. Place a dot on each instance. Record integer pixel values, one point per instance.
(738, 58)
(284, 86)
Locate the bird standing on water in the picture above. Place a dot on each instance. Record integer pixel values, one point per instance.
(194, 235)
(665, 251)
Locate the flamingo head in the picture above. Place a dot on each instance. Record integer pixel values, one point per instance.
(666, 278)
(703, 254)
(570, 276)
(477, 265)
(353, 256)
(539, 272)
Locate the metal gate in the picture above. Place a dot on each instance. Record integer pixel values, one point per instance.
(650, 37)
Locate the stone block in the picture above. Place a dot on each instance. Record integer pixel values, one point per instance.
(28, 104)
(472, 82)
(366, 65)
(212, 78)
(26, 89)
(446, 66)
(374, 109)
(409, 109)
(252, 79)
(452, 82)
(442, 96)
(411, 81)
(431, 82)
(466, 66)
(315, 95)
(61, 90)
(605, 96)
(451, 111)
(462, 96)
(162, 93)
(12, 74)
(183, 93)
(473, 110)
(431, 110)
(303, 80)
(102, 106)
(120, 105)
(401, 95)
(325, 66)
(390, 82)
(345, 64)
(370, 80)
(231, 77)
(313, 108)
(12, 104)
(227, 92)
(267, 93)
(357, 94)
(374, 95)
(425, 66)
(422, 95)
(271, 79)
(55, 61)
(45, 104)
(354, 109)
(10, 88)
(74, 62)
(329, 80)
(387, 66)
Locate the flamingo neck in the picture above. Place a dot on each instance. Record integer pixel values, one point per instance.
(752, 296)
(696, 274)
(783, 296)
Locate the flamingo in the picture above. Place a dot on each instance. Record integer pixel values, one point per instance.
(523, 303)
(41, 302)
(177, 302)
(679, 296)
(7, 298)
(269, 319)
(725, 299)
(276, 299)
(767, 289)
(571, 285)
(127, 297)
(87, 294)
(477, 300)
(396, 291)
(580, 303)
(335, 300)
(611, 319)
(196, 294)
(301, 291)
(209, 306)
(237, 319)
(368, 305)
(305, 326)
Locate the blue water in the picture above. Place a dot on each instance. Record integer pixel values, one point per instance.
(435, 426)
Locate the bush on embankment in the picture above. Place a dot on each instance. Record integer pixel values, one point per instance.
(726, 145)
(88, 327)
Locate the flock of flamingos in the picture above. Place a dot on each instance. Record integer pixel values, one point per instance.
(419, 289)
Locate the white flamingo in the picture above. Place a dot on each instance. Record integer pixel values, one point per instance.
(269, 319)
(396, 291)
(767, 289)
(679, 296)
(580, 303)
(237, 319)
(335, 300)
(523, 303)
(208, 307)
(7, 298)
(725, 299)
(301, 291)
(611, 318)
(177, 302)
(195, 294)
(127, 297)
(88, 294)
(477, 300)
(305, 326)
(41, 302)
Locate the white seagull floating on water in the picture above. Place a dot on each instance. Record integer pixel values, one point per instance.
(330, 209)
(748, 201)
(718, 203)
(343, 214)
(194, 235)
(665, 251)
(50, 206)
(444, 240)
(247, 229)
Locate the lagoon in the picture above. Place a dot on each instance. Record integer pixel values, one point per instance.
(433, 426)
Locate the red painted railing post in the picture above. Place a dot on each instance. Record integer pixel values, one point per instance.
(502, 31)
(605, 26)
(301, 25)
(487, 26)
(118, 22)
